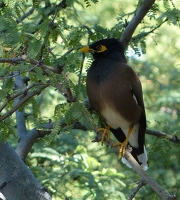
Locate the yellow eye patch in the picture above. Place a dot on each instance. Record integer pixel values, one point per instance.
(100, 48)
(97, 49)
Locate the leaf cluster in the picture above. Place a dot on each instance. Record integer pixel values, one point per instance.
(74, 172)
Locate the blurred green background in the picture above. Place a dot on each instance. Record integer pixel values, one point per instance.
(66, 162)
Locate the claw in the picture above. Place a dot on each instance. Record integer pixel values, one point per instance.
(105, 132)
(122, 148)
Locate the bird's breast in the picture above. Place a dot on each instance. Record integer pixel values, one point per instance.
(113, 118)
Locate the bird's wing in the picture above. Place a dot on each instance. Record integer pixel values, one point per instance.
(136, 92)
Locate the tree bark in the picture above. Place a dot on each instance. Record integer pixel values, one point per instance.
(16, 180)
(135, 21)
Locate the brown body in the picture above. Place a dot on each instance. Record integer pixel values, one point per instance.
(122, 80)
(115, 92)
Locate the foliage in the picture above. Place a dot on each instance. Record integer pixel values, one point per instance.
(43, 37)
(71, 171)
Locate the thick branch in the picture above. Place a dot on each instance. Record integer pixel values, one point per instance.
(136, 20)
(16, 180)
(25, 144)
(20, 116)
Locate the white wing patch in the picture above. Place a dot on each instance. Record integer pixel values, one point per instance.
(134, 97)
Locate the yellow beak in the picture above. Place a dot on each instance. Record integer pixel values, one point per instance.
(86, 49)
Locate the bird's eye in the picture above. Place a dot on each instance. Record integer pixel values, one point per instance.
(99, 48)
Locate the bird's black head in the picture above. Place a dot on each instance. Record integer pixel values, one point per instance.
(105, 48)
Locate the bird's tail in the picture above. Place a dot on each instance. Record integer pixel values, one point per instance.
(139, 153)
(142, 158)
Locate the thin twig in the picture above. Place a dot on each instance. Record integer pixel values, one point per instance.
(89, 32)
(50, 10)
(39, 62)
(68, 52)
(172, 138)
(22, 101)
(141, 183)
(16, 60)
(83, 55)
(144, 34)
(19, 93)
(25, 15)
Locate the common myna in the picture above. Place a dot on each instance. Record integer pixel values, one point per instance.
(114, 91)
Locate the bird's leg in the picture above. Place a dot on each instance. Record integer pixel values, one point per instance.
(105, 132)
(123, 145)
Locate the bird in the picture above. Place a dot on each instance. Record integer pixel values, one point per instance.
(114, 91)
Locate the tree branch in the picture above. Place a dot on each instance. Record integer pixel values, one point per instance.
(172, 138)
(137, 168)
(145, 179)
(25, 144)
(23, 100)
(20, 116)
(36, 63)
(16, 180)
(25, 15)
(50, 10)
(148, 180)
(136, 20)
(140, 185)
(19, 93)
(144, 34)
(12, 60)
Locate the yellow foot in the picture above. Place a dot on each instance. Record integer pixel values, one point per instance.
(105, 132)
(122, 148)
(123, 145)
